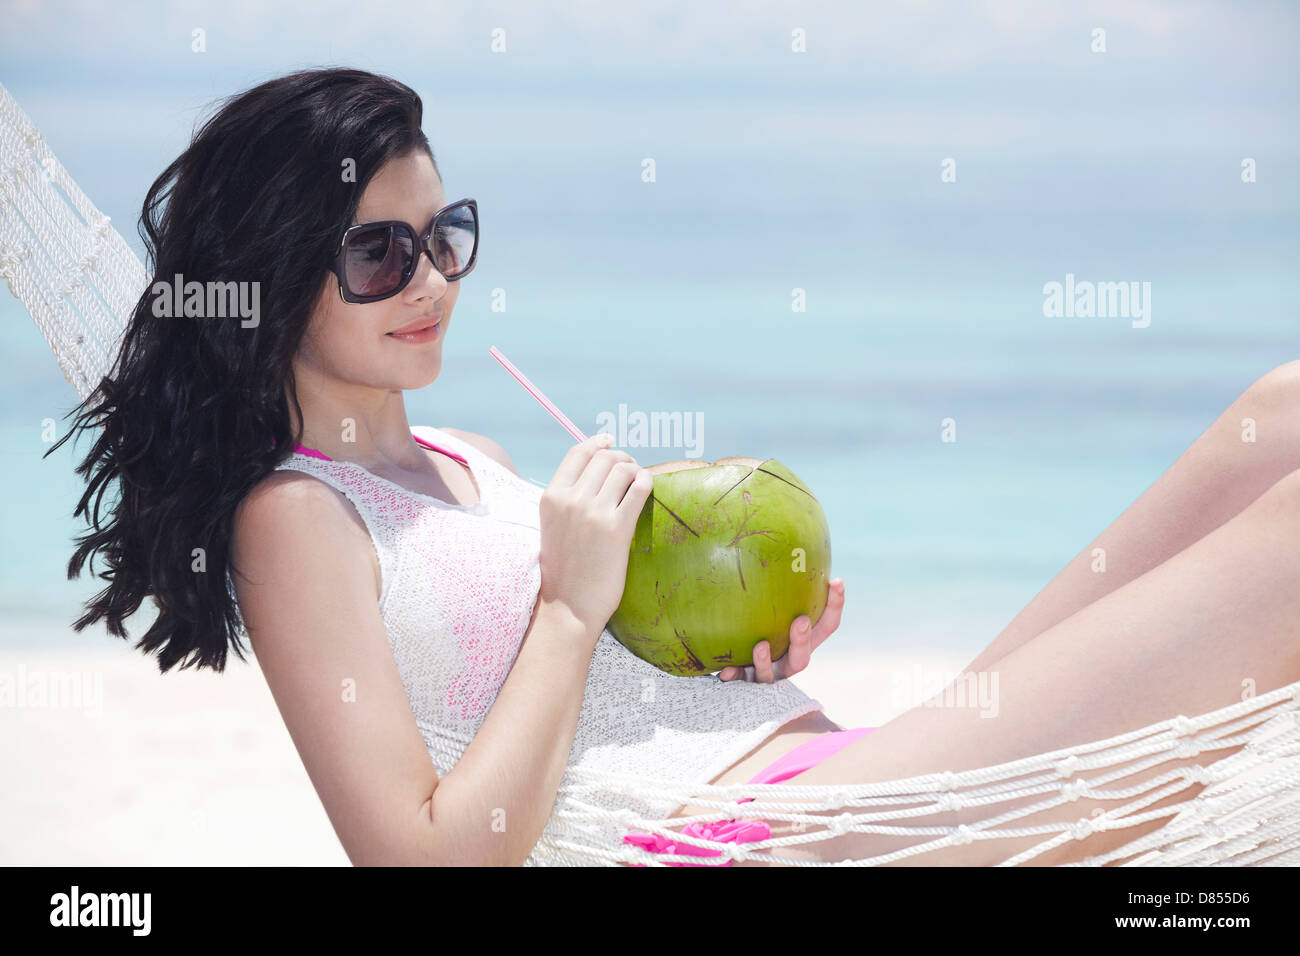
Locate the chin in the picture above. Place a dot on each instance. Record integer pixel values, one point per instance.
(419, 378)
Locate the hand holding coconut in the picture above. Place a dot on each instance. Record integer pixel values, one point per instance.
(587, 515)
(728, 561)
(805, 637)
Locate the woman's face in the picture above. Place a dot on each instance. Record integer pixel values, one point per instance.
(355, 343)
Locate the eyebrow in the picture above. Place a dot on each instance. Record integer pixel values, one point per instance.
(422, 223)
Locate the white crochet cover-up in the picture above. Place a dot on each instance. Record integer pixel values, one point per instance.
(460, 583)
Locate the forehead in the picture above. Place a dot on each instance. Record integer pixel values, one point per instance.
(406, 188)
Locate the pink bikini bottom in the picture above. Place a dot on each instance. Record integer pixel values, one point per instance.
(804, 757)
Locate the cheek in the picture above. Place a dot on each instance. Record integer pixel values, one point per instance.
(343, 342)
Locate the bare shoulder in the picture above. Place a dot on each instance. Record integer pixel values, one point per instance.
(289, 514)
(485, 445)
(286, 498)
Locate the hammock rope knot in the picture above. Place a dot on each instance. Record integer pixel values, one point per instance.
(841, 824)
(833, 800)
(951, 801)
(1067, 766)
(1185, 749)
(1075, 789)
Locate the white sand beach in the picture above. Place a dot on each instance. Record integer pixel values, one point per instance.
(189, 768)
(132, 767)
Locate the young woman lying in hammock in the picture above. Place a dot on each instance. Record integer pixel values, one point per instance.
(408, 596)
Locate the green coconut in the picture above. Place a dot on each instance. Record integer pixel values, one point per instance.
(724, 555)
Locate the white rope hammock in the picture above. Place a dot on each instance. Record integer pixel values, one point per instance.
(80, 281)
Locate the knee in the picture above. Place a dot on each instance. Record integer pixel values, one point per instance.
(1285, 494)
(1278, 390)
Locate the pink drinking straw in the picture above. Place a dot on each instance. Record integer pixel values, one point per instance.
(537, 394)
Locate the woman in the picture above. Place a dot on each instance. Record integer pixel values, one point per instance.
(432, 626)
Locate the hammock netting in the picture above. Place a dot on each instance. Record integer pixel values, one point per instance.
(80, 281)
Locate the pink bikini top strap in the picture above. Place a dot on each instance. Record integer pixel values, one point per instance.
(313, 453)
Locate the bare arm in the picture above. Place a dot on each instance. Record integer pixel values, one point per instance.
(309, 597)
(497, 800)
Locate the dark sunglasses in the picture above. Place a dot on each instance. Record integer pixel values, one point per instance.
(377, 259)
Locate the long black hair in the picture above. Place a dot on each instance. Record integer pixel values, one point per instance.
(195, 411)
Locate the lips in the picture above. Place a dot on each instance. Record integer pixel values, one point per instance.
(419, 325)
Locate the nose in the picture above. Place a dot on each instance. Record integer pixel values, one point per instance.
(428, 279)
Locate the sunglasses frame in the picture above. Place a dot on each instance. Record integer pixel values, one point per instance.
(423, 243)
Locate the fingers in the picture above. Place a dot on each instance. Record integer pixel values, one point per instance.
(624, 485)
(804, 638)
(736, 673)
(576, 459)
(803, 641)
(597, 471)
(616, 482)
(830, 619)
(611, 477)
(635, 496)
(801, 648)
(758, 672)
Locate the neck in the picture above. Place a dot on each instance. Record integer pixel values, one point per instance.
(350, 422)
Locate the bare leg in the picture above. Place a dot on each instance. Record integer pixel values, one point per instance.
(1218, 476)
(1180, 639)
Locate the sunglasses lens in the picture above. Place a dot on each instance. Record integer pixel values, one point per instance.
(454, 236)
(376, 260)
